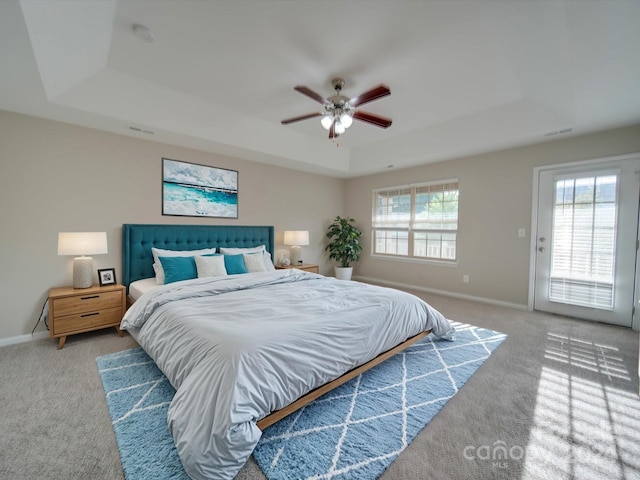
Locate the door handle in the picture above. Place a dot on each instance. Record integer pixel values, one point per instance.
(541, 240)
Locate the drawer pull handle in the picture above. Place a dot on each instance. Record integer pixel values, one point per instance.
(90, 314)
(89, 298)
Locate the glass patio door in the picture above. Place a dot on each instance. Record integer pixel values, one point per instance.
(586, 241)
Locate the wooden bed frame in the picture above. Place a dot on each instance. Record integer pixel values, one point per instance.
(327, 387)
(137, 264)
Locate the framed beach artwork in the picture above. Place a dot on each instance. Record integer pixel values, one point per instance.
(196, 190)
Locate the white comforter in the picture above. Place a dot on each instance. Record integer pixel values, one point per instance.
(237, 348)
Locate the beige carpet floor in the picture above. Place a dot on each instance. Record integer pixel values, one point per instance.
(557, 400)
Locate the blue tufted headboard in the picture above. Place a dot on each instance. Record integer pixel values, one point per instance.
(137, 240)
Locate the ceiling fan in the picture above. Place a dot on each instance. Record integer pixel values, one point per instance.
(338, 111)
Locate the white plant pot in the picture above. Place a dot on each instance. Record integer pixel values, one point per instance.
(343, 273)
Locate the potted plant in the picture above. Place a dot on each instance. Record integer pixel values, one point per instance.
(344, 245)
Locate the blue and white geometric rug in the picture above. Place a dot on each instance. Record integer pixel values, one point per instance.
(353, 432)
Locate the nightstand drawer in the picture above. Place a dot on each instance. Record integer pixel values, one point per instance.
(86, 303)
(73, 310)
(87, 321)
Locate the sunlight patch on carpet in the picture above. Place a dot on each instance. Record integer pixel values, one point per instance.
(584, 425)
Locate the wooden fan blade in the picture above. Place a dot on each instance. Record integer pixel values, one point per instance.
(287, 121)
(310, 93)
(373, 119)
(371, 95)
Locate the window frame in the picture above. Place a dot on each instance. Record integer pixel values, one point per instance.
(409, 225)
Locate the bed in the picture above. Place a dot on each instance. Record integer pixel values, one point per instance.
(245, 350)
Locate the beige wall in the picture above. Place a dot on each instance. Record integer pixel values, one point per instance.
(495, 201)
(56, 177)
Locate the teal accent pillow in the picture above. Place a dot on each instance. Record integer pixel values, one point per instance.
(235, 264)
(178, 268)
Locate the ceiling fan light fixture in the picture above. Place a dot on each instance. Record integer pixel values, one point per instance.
(326, 121)
(338, 112)
(346, 120)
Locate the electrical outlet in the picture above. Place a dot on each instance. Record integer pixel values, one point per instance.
(522, 233)
(465, 278)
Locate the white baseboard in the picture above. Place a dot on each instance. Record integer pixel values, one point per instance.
(22, 338)
(444, 293)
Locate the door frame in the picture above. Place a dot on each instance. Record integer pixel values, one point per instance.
(534, 226)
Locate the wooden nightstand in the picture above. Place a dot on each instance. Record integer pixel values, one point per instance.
(307, 267)
(77, 310)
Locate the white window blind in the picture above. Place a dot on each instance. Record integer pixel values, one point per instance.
(416, 221)
(584, 241)
(393, 208)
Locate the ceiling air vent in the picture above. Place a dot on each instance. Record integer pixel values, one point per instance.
(558, 132)
(136, 129)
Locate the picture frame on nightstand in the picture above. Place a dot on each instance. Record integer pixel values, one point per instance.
(107, 276)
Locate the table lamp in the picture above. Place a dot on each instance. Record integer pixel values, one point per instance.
(295, 239)
(82, 243)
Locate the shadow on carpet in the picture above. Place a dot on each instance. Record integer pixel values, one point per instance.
(330, 437)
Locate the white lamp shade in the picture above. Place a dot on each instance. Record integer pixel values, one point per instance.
(346, 120)
(296, 237)
(82, 243)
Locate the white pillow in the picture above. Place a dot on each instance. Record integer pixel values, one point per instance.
(210, 266)
(254, 262)
(237, 251)
(268, 263)
(159, 252)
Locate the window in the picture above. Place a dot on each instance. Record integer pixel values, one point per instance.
(416, 221)
(584, 241)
